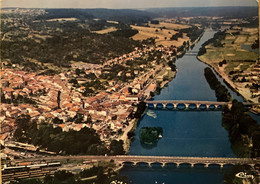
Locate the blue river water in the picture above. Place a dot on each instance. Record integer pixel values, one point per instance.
(185, 133)
(147, 175)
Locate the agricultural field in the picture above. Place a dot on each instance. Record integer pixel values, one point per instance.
(105, 31)
(234, 47)
(162, 36)
(171, 26)
(240, 67)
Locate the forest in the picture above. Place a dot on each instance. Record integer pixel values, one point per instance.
(34, 43)
(72, 142)
(244, 132)
(221, 91)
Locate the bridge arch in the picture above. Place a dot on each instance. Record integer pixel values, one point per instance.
(159, 106)
(185, 164)
(219, 107)
(171, 165)
(150, 105)
(181, 106)
(214, 165)
(228, 165)
(169, 106)
(192, 106)
(143, 164)
(212, 107)
(128, 163)
(203, 107)
(200, 165)
(156, 164)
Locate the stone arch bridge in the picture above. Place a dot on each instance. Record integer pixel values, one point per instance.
(190, 104)
(149, 160)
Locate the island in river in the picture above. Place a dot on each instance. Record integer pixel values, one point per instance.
(150, 135)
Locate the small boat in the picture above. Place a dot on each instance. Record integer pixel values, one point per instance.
(151, 114)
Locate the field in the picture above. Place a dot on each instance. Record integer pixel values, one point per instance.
(235, 65)
(232, 49)
(162, 36)
(104, 31)
(235, 53)
(62, 19)
(169, 26)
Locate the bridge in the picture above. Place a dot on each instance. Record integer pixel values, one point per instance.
(150, 160)
(191, 53)
(190, 104)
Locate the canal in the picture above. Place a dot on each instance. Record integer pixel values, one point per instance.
(185, 133)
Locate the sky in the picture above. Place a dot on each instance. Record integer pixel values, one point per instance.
(117, 4)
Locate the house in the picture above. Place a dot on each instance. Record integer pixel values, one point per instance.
(3, 138)
(132, 97)
(120, 74)
(128, 74)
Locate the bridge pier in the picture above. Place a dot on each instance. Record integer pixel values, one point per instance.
(163, 164)
(192, 165)
(206, 165)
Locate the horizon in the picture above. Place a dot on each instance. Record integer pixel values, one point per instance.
(126, 4)
(140, 9)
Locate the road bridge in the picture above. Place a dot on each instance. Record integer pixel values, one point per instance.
(191, 53)
(191, 104)
(163, 160)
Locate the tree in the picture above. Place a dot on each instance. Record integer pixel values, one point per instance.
(63, 175)
(23, 124)
(89, 119)
(116, 147)
(58, 99)
(101, 177)
(77, 71)
(56, 120)
(130, 134)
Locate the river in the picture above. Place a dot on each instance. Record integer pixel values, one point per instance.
(185, 133)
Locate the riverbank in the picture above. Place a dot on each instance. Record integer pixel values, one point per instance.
(117, 169)
(241, 90)
(124, 137)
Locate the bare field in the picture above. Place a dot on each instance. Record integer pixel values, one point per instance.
(241, 39)
(104, 31)
(161, 36)
(113, 22)
(251, 30)
(62, 19)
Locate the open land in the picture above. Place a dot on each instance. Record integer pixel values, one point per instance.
(162, 36)
(241, 63)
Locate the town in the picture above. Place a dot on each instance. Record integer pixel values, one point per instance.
(57, 101)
